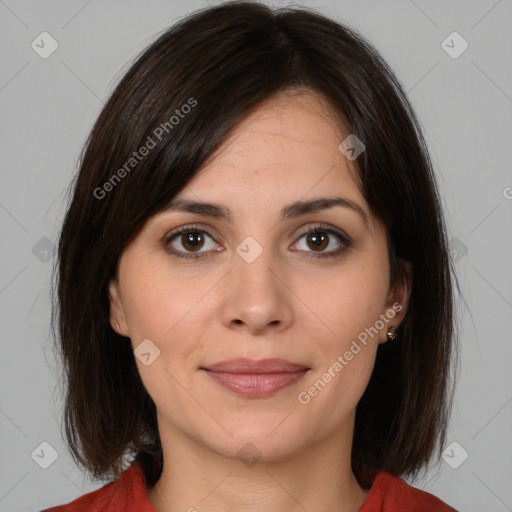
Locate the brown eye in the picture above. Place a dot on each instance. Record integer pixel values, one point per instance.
(317, 240)
(185, 241)
(321, 237)
(192, 240)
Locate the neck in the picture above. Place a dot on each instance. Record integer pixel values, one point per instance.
(195, 478)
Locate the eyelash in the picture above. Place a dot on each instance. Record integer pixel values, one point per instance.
(194, 229)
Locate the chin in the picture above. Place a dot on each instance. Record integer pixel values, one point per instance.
(253, 442)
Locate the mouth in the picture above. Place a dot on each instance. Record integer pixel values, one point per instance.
(255, 379)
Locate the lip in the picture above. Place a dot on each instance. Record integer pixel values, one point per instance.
(255, 379)
(250, 366)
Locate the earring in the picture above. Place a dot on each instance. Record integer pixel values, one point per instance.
(117, 325)
(392, 332)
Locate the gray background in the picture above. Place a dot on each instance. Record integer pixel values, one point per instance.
(48, 107)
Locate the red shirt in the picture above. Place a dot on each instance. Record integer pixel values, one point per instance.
(128, 494)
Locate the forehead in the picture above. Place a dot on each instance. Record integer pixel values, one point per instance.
(288, 120)
(282, 161)
(289, 142)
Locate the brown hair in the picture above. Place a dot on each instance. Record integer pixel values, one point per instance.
(223, 62)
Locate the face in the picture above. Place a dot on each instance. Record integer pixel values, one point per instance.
(310, 288)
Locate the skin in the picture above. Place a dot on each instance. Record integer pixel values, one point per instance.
(289, 303)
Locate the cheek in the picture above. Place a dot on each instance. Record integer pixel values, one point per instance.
(168, 308)
(343, 304)
(163, 309)
(350, 307)
(151, 310)
(156, 298)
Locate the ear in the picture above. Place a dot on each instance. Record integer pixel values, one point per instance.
(117, 315)
(397, 301)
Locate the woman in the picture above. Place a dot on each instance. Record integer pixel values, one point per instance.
(254, 288)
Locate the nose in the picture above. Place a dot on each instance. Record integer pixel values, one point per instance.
(256, 297)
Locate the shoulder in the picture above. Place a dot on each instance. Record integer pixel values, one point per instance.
(390, 493)
(126, 493)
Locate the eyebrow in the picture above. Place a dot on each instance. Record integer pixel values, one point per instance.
(291, 210)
